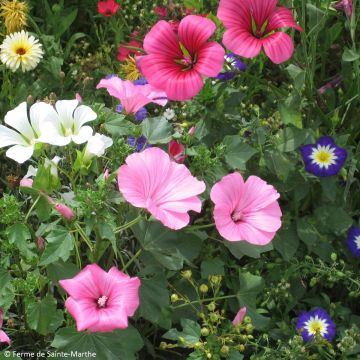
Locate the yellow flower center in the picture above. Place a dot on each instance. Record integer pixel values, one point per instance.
(316, 327)
(323, 157)
(20, 51)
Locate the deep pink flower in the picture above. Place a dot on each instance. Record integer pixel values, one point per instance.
(64, 210)
(132, 97)
(177, 151)
(101, 301)
(251, 25)
(108, 7)
(346, 6)
(246, 211)
(176, 64)
(174, 25)
(3, 337)
(239, 316)
(150, 180)
(161, 11)
(124, 51)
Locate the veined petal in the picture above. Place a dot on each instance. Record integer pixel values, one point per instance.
(83, 135)
(282, 18)
(18, 119)
(84, 311)
(242, 43)
(20, 153)
(278, 47)
(39, 114)
(235, 14)
(210, 59)
(261, 10)
(82, 115)
(65, 109)
(10, 137)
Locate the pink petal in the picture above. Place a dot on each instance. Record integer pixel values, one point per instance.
(239, 316)
(278, 47)
(210, 59)
(228, 191)
(281, 18)
(84, 311)
(194, 31)
(162, 40)
(235, 14)
(262, 10)
(242, 43)
(156, 95)
(171, 219)
(4, 338)
(109, 319)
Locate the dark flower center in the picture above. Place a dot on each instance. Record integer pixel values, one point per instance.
(20, 51)
(236, 216)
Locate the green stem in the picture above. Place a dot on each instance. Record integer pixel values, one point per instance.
(138, 253)
(205, 300)
(32, 208)
(83, 235)
(129, 224)
(199, 227)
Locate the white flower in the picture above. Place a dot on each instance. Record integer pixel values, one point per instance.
(20, 49)
(66, 124)
(169, 114)
(96, 146)
(27, 134)
(53, 163)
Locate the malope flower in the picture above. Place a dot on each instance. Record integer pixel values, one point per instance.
(21, 50)
(14, 13)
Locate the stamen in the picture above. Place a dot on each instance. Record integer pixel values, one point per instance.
(102, 301)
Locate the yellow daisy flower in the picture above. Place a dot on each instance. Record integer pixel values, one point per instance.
(21, 49)
(14, 13)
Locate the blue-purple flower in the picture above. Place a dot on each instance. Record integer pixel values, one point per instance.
(314, 322)
(353, 241)
(226, 76)
(324, 158)
(139, 143)
(235, 62)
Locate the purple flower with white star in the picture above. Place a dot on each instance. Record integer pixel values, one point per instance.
(314, 322)
(235, 62)
(139, 143)
(324, 158)
(353, 241)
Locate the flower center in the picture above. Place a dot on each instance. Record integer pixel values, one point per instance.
(20, 51)
(102, 301)
(357, 242)
(236, 216)
(323, 156)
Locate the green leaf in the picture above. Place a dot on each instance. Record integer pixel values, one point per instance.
(116, 124)
(290, 115)
(333, 219)
(212, 267)
(115, 345)
(286, 243)
(7, 294)
(42, 316)
(350, 55)
(242, 248)
(307, 232)
(59, 244)
(191, 332)
(237, 152)
(157, 130)
(61, 270)
(279, 164)
(290, 138)
(18, 234)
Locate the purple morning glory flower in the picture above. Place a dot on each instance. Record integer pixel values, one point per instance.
(317, 321)
(235, 62)
(353, 241)
(141, 114)
(139, 143)
(225, 76)
(324, 158)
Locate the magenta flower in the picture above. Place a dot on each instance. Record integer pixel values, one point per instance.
(346, 6)
(3, 337)
(150, 180)
(176, 63)
(132, 97)
(177, 151)
(252, 25)
(101, 301)
(246, 210)
(239, 316)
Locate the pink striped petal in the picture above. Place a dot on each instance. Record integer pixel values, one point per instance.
(194, 31)
(210, 59)
(278, 47)
(282, 18)
(84, 311)
(242, 43)
(261, 10)
(235, 14)
(162, 40)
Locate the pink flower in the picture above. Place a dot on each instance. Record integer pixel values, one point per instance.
(132, 97)
(101, 301)
(124, 52)
(108, 7)
(3, 337)
(192, 130)
(161, 11)
(106, 174)
(79, 98)
(26, 182)
(174, 25)
(346, 6)
(246, 211)
(239, 316)
(177, 151)
(64, 210)
(176, 64)
(252, 24)
(40, 243)
(166, 189)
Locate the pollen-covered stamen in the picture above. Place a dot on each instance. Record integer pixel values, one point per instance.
(102, 301)
(20, 51)
(236, 216)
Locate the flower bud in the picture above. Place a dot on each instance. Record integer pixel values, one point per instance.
(65, 211)
(187, 274)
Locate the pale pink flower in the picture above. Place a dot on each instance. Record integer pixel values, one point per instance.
(246, 210)
(26, 182)
(177, 151)
(3, 337)
(106, 174)
(177, 63)
(64, 210)
(79, 98)
(151, 180)
(132, 97)
(239, 316)
(252, 25)
(192, 131)
(101, 301)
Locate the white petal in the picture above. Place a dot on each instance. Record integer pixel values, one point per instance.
(10, 137)
(18, 119)
(82, 115)
(40, 113)
(31, 172)
(50, 134)
(84, 135)
(65, 109)
(97, 145)
(20, 153)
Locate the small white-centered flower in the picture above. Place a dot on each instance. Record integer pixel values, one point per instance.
(21, 50)
(169, 114)
(96, 146)
(66, 122)
(27, 134)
